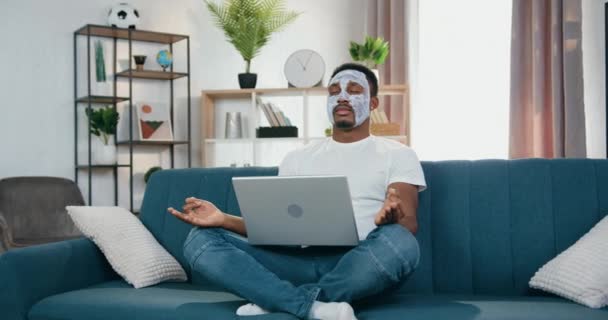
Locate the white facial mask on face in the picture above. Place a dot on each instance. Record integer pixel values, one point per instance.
(359, 102)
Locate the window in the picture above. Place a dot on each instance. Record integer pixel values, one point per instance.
(460, 107)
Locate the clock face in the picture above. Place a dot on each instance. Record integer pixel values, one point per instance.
(304, 68)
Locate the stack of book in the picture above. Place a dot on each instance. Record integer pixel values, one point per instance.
(380, 126)
(275, 117)
(379, 116)
(280, 125)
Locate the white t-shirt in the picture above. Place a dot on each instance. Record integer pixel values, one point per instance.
(370, 166)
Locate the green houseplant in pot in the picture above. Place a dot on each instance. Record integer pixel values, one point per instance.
(103, 123)
(372, 52)
(248, 25)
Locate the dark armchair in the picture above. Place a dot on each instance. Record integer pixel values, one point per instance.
(32, 211)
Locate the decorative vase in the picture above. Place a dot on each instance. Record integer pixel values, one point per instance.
(234, 127)
(248, 80)
(102, 153)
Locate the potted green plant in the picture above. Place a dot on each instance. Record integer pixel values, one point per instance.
(372, 52)
(103, 123)
(248, 25)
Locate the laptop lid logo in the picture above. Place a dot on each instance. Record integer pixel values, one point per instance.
(295, 210)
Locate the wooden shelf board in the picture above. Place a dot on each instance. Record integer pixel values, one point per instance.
(249, 140)
(393, 90)
(152, 74)
(136, 35)
(101, 99)
(152, 143)
(397, 89)
(101, 166)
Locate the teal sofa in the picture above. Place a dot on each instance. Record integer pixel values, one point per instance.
(485, 228)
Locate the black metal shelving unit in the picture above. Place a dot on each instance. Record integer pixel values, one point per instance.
(130, 35)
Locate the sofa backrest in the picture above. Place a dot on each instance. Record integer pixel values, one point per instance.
(485, 226)
(34, 208)
(169, 188)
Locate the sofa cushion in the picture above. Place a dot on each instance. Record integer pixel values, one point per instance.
(117, 300)
(581, 272)
(130, 248)
(474, 307)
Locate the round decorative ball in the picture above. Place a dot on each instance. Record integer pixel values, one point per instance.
(164, 59)
(123, 15)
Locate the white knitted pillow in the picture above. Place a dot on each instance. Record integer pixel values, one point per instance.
(129, 247)
(581, 272)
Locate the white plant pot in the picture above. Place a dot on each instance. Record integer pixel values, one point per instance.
(377, 74)
(101, 153)
(105, 88)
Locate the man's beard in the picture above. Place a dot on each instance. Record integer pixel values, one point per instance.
(343, 124)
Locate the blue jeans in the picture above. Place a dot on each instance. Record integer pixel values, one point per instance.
(290, 279)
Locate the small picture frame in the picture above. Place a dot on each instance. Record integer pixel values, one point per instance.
(154, 122)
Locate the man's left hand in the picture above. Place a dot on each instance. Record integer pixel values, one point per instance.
(391, 211)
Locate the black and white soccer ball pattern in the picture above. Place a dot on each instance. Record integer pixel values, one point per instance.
(123, 15)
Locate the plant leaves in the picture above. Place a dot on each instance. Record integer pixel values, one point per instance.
(381, 54)
(248, 24)
(103, 120)
(377, 44)
(354, 51)
(372, 51)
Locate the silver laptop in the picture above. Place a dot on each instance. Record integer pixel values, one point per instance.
(297, 210)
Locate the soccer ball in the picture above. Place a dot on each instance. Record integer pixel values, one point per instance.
(123, 15)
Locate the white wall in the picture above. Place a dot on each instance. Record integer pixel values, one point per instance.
(594, 74)
(36, 119)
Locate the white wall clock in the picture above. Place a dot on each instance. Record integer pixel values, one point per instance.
(304, 69)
